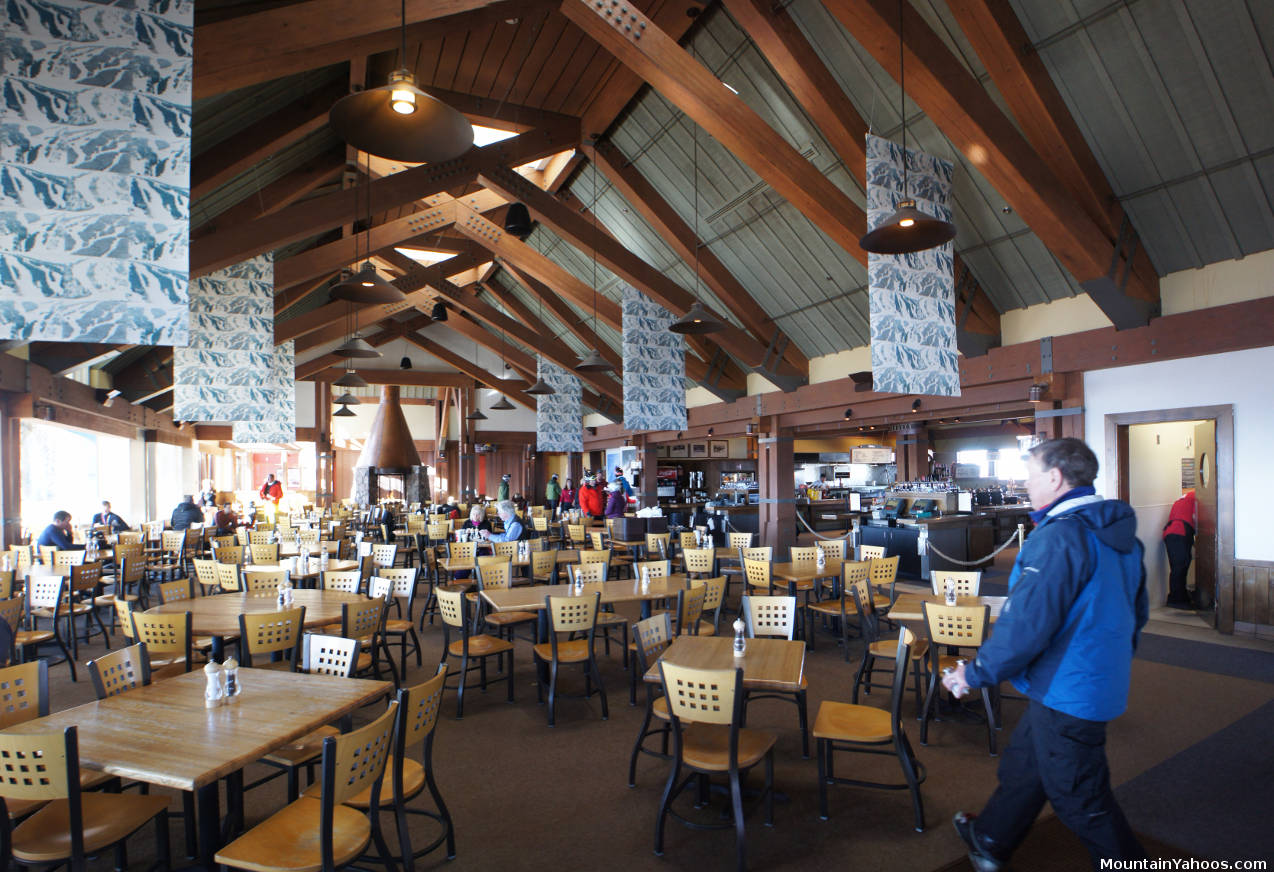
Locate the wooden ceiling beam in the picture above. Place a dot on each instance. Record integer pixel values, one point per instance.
(60, 358)
(237, 242)
(212, 168)
(258, 47)
(275, 196)
(569, 318)
(331, 319)
(318, 364)
(586, 236)
(146, 377)
(512, 389)
(681, 238)
(950, 96)
(657, 58)
(411, 378)
(524, 314)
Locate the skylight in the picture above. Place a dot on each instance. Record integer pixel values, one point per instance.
(424, 256)
(487, 135)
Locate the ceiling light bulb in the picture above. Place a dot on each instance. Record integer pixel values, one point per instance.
(403, 101)
(907, 222)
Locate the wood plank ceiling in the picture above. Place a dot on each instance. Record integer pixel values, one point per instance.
(727, 138)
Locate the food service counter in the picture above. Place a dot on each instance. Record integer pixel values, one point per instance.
(962, 537)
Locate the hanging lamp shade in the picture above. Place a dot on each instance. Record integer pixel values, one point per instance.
(541, 388)
(907, 230)
(405, 363)
(517, 220)
(696, 321)
(367, 286)
(439, 312)
(593, 362)
(343, 412)
(475, 415)
(356, 347)
(398, 121)
(351, 379)
(347, 399)
(502, 405)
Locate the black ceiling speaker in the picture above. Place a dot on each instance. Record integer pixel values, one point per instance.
(439, 312)
(405, 363)
(518, 220)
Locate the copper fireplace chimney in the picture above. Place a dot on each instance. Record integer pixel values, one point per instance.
(389, 448)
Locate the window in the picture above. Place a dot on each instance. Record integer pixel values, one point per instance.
(72, 470)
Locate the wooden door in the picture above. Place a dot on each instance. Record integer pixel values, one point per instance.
(1205, 491)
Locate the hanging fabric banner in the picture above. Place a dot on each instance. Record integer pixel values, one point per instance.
(224, 374)
(912, 296)
(279, 425)
(95, 171)
(559, 417)
(654, 366)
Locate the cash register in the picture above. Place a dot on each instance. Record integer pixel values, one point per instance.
(924, 509)
(895, 508)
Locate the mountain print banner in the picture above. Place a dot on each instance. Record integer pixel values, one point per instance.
(559, 417)
(95, 171)
(225, 372)
(654, 366)
(280, 403)
(912, 296)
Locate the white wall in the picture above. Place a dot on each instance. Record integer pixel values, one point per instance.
(421, 421)
(305, 413)
(1238, 378)
(1154, 483)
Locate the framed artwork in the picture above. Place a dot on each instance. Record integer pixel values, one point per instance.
(681, 450)
(718, 448)
(661, 450)
(698, 450)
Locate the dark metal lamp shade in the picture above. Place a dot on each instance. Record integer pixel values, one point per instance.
(343, 412)
(351, 379)
(356, 347)
(593, 362)
(697, 321)
(541, 388)
(517, 220)
(367, 287)
(502, 405)
(907, 230)
(347, 399)
(475, 415)
(405, 363)
(400, 122)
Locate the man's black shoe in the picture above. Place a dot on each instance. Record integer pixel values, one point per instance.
(978, 857)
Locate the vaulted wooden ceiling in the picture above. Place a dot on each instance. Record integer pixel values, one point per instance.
(622, 109)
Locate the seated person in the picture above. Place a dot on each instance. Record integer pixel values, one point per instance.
(58, 534)
(512, 526)
(477, 520)
(186, 513)
(449, 509)
(109, 519)
(225, 520)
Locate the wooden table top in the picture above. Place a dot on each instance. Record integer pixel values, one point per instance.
(332, 566)
(448, 564)
(162, 734)
(219, 615)
(907, 606)
(530, 598)
(805, 571)
(768, 664)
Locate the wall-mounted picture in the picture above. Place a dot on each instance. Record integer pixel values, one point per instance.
(719, 448)
(699, 450)
(680, 450)
(661, 450)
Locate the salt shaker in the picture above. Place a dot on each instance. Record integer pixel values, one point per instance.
(230, 670)
(951, 592)
(822, 557)
(740, 642)
(282, 599)
(645, 579)
(213, 693)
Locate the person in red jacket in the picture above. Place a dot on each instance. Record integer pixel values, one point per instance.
(271, 490)
(1178, 540)
(590, 498)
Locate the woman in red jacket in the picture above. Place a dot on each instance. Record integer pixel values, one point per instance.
(569, 496)
(590, 499)
(1178, 541)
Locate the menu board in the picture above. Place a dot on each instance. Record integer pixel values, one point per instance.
(871, 455)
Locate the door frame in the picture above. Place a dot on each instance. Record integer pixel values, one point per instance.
(1117, 463)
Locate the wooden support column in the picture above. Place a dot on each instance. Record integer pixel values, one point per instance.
(575, 471)
(10, 475)
(776, 472)
(649, 494)
(324, 465)
(913, 452)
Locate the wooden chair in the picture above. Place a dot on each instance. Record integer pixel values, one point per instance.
(329, 655)
(594, 572)
(599, 539)
(499, 576)
(714, 596)
(167, 639)
(365, 621)
(842, 726)
(775, 616)
(128, 537)
(833, 549)
(46, 598)
(544, 567)
(841, 607)
(347, 580)
(596, 555)
(462, 550)
(877, 648)
(651, 637)
(453, 608)
(206, 575)
(576, 535)
(119, 671)
(871, 552)
(711, 703)
(415, 727)
(241, 536)
(884, 574)
(757, 577)
(569, 615)
(22, 557)
(260, 537)
(698, 562)
(690, 610)
(229, 578)
(63, 560)
(384, 554)
(229, 554)
(85, 586)
(271, 640)
(264, 553)
(686, 539)
(47, 554)
(655, 568)
(955, 627)
(184, 589)
(12, 611)
(737, 541)
(403, 583)
(215, 542)
(323, 832)
(71, 825)
(505, 550)
(658, 545)
(257, 580)
(966, 583)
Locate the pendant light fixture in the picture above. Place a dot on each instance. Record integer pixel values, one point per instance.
(502, 405)
(343, 412)
(366, 286)
(593, 360)
(351, 379)
(347, 399)
(400, 122)
(405, 363)
(475, 415)
(698, 320)
(355, 347)
(907, 229)
(517, 220)
(439, 312)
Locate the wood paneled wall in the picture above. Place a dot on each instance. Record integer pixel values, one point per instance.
(1254, 591)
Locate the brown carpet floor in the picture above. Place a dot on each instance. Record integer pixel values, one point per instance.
(525, 796)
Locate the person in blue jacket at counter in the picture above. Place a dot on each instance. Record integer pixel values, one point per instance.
(1065, 638)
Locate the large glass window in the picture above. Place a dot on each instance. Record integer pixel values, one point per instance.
(73, 470)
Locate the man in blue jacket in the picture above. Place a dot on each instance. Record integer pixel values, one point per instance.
(1065, 638)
